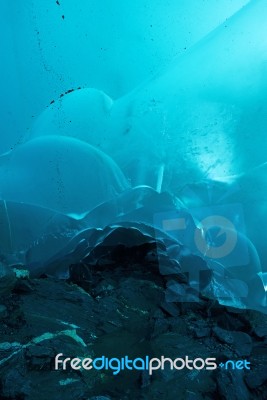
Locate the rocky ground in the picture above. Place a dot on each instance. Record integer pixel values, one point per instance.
(115, 303)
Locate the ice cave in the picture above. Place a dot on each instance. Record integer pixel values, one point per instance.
(140, 148)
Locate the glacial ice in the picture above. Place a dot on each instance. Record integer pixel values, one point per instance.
(204, 118)
(81, 113)
(197, 131)
(24, 224)
(60, 173)
(190, 123)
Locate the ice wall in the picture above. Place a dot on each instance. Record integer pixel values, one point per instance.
(60, 173)
(204, 118)
(112, 46)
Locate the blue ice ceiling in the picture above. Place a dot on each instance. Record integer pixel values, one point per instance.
(110, 45)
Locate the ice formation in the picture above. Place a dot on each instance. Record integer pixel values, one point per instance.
(197, 131)
(23, 225)
(60, 173)
(82, 114)
(206, 116)
(197, 120)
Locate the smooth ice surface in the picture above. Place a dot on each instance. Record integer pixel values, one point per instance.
(110, 45)
(205, 117)
(82, 114)
(60, 173)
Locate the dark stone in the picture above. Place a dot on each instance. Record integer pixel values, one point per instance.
(241, 342)
(81, 275)
(168, 266)
(223, 335)
(145, 379)
(201, 330)
(231, 386)
(39, 351)
(23, 286)
(230, 322)
(3, 311)
(193, 396)
(261, 331)
(114, 304)
(15, 384)
(170, 309)
(39, 357)
(256, 378)
(175, 292)
(161, 325)
(100, 398)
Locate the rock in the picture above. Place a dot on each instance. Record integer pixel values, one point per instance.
(39, 357)
(241, 342)
(201, 330)
(7, 279)
(256, 378)
(23, 286)
(145, 379)
(231, 385)
(118, 307)
(104, 287)
(223, 335)
(175, 292)
(3, 311)
(230, 322)
(7, 348)
(168, 266)
(15, 384)
(161, 325)
(193, 396)
(170, 309)
(261, 331)
(81, 275)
